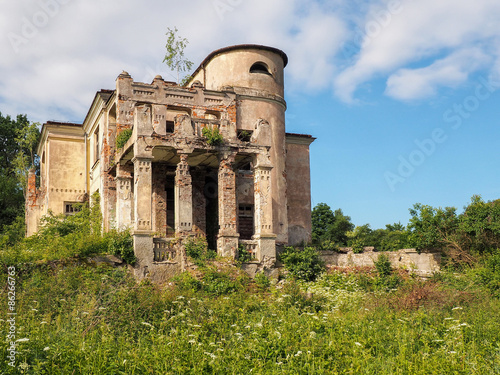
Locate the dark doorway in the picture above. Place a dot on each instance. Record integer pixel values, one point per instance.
(245, 221)
(169, 186)
(212, 212)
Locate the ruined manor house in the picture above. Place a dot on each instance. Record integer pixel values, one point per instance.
(173, 179)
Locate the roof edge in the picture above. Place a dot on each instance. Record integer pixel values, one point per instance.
(236, 47)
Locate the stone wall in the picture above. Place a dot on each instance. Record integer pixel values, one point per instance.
(424, 264)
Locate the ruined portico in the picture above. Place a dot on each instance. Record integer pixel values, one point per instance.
(169, 183)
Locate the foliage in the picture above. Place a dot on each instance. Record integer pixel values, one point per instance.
(262, 280)
(244, 255)
(213, 136)
(303, 264)
(13, 233)
(83, 320)
(18, 142)
(489, 275)
(330, 226)
(62, 236)
(328, 245)
(383, 265)
(393, 238)
(215, 280)
(322, 217)
(463, 238)
(123, 137)
(174, 57)
(357, 246)
(122, 245)
(26, 158)
(197, 249)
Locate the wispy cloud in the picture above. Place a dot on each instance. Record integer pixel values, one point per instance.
(423, 30)
(58, 53)
(451, 71)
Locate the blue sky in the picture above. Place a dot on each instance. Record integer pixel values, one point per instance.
(403, 96)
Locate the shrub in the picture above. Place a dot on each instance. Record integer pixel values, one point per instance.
(197, 249)
(243, 254)
(357, 246)
(489, 275)
(302, 264)
(262, 280)
(122, 245)
(123, 137)
(187, 282)
(213, 136)
(383, 265)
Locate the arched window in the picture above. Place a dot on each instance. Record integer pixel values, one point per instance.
(260, 67)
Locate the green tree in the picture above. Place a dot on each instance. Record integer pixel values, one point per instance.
(174, 58)
(18, 141)
(322, 217)
(337, 231)
(27, 139)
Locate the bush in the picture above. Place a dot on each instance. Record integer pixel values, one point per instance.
(123, 137)
(489, 275)
(383, 265)
(197, 249)
(302, 264)
(243, 254)
(262, 280)
(187, 282)
(213, 136)
(122, 245)
(357, 246)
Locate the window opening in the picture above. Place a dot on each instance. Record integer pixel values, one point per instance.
(260, 67)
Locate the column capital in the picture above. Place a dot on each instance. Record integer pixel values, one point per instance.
(262, 162)
(142, 159)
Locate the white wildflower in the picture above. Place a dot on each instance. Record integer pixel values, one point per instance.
(358, 344)
(298, 353)
(23, 340)
(46, 348)
(457, 308)
(23, 366)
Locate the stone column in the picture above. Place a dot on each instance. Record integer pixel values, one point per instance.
(124, 198)
(183, 197)
(143, 239)
(263, 216)
(142, 194)
(227, 241)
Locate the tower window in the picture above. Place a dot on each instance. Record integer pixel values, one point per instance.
(260, 67)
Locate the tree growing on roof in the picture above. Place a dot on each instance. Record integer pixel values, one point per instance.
(174, 58)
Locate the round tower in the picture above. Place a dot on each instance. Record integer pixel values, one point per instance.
(255, 74)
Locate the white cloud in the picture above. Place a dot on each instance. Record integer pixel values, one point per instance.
(79, 47)
(422, 29)
(412, 84)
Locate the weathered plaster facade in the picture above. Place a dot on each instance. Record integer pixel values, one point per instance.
(167, 183)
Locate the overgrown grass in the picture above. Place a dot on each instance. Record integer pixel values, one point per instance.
(63, 237)
(83, 320)
(74, 318)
